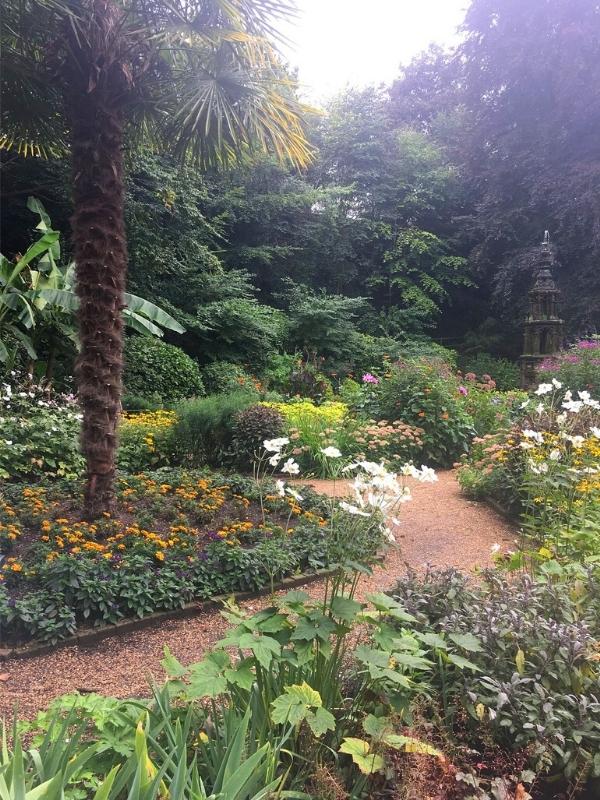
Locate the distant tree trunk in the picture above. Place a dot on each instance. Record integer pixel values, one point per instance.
(94, 103)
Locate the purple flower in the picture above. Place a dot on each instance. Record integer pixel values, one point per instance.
(464, 391)
(588, 344)
(368, 378)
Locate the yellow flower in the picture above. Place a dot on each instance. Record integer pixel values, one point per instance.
(159, 555)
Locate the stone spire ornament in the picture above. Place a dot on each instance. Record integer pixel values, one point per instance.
(543, 326)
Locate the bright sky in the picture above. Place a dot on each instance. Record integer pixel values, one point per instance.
(357, 42)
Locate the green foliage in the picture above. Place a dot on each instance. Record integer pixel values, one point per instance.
(223, 377)
(40, 433)
(238, 330)
(111, 748)
(278, 371)
(424, 393)
(155, 368)
(417, 273)
(321, 324)
(18, 304)
(503, 372)
(534, 678)
(205, 426)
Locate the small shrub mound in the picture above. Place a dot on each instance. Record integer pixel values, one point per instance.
(205, 426)
(503, 372)
(157, 370)
(250, 429)
(146, 440)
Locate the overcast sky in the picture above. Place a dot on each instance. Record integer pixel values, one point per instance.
(357, 42)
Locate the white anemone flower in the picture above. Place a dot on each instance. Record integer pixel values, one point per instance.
(331, 452)
(275, 459)
(576, 441)
(538, 469)
(537, 436)
(354, 510)
(556, 384)
(291, 467)
(280, 486)
(554, 455)
(543, 388)
(426, 475)
(293, 493)
(275, 445)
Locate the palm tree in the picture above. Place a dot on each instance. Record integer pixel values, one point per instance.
(199, 78)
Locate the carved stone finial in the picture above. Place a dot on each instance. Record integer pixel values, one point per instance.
(546, 240)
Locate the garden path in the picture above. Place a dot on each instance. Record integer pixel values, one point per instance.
(439, 527)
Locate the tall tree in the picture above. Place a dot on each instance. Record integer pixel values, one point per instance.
(196, 77)
(532, 152)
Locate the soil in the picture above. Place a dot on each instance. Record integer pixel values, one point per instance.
(439, 527)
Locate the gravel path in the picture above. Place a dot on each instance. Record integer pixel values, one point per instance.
(439, 527)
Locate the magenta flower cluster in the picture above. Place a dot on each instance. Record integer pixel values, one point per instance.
(368, 378)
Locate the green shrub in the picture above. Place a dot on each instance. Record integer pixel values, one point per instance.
(204, 430)
(350, 392)
(278, 371)
(154, 368)
(250, 429)
(222, 377)
(503, 372)
(425, 394)
(491, 411)
(39, 434)
(578, 367)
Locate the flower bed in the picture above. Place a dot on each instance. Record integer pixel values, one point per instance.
(548, 468)
(177, 536)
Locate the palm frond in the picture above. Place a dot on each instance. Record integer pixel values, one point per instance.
(201, 78)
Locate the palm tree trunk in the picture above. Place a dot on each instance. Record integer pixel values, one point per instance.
(100, 252)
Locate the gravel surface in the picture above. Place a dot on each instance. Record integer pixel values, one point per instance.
(439, 527)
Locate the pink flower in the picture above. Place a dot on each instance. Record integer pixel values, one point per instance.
(463, 391)
(368, 378)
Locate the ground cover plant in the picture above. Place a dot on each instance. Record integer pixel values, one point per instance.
(531, 682)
